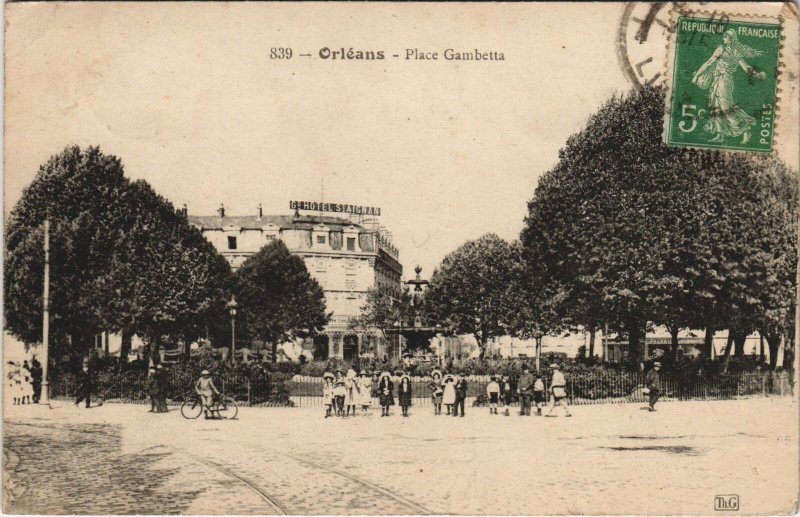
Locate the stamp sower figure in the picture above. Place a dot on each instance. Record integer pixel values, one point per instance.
(508, 393)
(206, 389)
(493, 394)
(558, 390)
(653, 382)
(327, 393)
(436, 391)
(449, 394)
(717, 76)
(386, 393)
(525, 391)
(461, 395)
(152, 389)
(404, 393)
(84, 386)
(538, 394)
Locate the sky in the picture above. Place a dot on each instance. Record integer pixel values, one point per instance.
(186, 95)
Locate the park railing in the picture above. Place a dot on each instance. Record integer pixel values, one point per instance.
(277, 389)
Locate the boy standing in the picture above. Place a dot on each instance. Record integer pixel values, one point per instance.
(493, 394)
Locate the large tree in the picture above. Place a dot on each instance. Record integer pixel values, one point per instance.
(122, 258)
(628, 231)
(278, 298)
(474, 290)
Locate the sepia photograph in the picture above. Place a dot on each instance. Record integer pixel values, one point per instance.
(365, 258)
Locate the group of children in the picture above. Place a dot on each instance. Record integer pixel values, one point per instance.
(344, 393)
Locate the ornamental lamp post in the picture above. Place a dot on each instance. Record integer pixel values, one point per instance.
(231, 305)
(538, 336)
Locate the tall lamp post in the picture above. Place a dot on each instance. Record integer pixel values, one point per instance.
(232, 310)
(44, 398)
(538, 336)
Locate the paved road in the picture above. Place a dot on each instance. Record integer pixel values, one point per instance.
(606, 459)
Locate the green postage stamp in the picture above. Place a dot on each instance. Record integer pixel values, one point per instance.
(723, 82)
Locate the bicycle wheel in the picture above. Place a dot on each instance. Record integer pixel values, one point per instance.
(191, 409)
(227, 408)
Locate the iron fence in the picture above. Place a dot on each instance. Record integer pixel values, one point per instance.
(278, 389)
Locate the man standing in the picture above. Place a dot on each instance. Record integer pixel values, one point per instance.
(461, 395)
(653, 382)
(36, 379)
(558, 390)
(84, 386)
(525, 391)
(161, 387)
(152, 389)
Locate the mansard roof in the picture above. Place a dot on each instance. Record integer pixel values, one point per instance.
(254, 222)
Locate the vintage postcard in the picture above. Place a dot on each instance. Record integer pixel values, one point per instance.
(401, 258)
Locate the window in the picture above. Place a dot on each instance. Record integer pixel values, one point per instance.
(351, 244)
(270, 238)
(320, 239)
(231, 243)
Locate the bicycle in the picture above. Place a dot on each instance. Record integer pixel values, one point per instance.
(221, 407)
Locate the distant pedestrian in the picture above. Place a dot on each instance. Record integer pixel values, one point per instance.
(437, 391)
(538, 394)
(327, 393)
(84, 386)
(376, 377)
(162, 386)
(14, 383)
(653, 382)
(558, 391)
(152, 389)
(461, 395)
(404, 393)
(36, 376)
(525, 389)
(27, 383)
(365, 392)
(206, 389)
(351, 396)
(386, 392)
(449, 393)
(507, 393)
(493, 394)
(339, 393)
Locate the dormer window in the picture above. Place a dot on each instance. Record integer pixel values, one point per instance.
(231, 243)
(320, 239)
(351, 244)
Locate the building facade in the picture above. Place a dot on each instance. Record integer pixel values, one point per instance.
(346, 255)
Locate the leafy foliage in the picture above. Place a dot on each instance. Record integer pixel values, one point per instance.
(279, 299)
(474, 289)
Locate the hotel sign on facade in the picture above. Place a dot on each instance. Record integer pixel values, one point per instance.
(335, 207)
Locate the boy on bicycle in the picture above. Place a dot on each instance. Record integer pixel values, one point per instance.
(206, 389)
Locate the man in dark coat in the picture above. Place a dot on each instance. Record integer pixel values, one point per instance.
(36, 379)
(84, 386)
(162, 387)
(526, 382)
(461, 395)
(152, 389)
(653, 382)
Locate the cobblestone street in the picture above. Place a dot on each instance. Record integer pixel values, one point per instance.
(606, 459)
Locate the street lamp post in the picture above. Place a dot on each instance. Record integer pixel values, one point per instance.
(44, 397)
(232, 309)
(538, 335)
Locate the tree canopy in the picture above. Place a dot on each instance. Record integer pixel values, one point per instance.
(626, 231)
(278, 298)
(474, 289)
(122, 258)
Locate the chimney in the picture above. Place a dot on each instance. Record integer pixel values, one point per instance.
(221, 210)
(260, 211)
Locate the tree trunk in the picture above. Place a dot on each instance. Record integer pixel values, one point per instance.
(761, 355)
(591, 342)
(275, 351)
(739, 339)
(673, 332)
(634, 344)
(774, 343)
(125, 346)
(708, 343)
(727, 355)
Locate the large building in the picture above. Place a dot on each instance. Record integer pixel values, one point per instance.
(347, 255)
